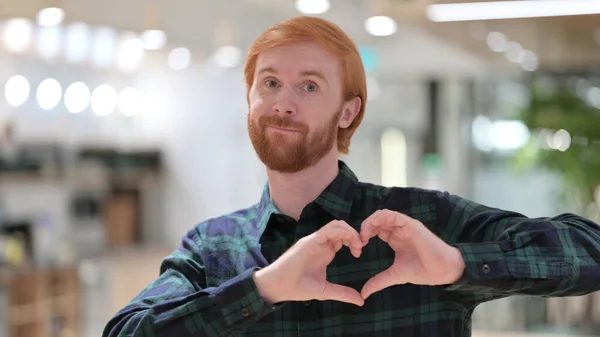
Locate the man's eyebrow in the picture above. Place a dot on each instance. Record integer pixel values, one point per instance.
(314, 73)
(267, 70)
(304, 73)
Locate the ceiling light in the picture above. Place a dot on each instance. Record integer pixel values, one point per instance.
(508, 134)
(130, 53)
(472, 11)
(530, 61)
(104, 100)
(380, 26)
(179, 58)
(562, 140)
(16, 90)
(77, 97)
(496, 41)
(49, 93)
(312, 6)
(50, 16)
(18, 34)
(593, 97)
(514, 52)
(154, 39)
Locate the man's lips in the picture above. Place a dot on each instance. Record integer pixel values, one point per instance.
(282, 129)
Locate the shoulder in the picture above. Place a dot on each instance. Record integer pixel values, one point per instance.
(401, 197)
(234, 224)
(212, 233)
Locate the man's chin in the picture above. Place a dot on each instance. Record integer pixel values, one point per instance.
(283, 167)
(283, 162)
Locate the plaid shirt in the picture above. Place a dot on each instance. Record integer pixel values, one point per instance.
(205, 287)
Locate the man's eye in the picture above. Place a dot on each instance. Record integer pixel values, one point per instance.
(310, 87)
(271, 84)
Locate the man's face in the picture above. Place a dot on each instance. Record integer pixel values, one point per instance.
(295, 106)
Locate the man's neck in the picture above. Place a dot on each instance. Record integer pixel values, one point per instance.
(291, 192)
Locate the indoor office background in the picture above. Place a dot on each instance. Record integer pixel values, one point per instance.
(123, 124)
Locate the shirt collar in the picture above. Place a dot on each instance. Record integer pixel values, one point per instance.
(336, 199)
(266, 207)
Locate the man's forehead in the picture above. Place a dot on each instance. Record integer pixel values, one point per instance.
(297, 62)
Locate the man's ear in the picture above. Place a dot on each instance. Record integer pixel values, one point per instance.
(350, 109)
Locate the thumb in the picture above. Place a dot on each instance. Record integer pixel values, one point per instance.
(341, 293)
(386, 278)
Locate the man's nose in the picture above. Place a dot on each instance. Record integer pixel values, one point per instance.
(285, 105)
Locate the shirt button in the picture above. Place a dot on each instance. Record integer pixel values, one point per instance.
(485, 268)
(245, 312)
(307, 303)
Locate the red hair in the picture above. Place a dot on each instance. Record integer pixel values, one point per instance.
(333, 39)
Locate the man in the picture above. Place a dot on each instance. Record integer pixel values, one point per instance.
(417, 262)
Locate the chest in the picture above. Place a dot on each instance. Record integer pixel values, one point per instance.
(406, 310)
(224, 258)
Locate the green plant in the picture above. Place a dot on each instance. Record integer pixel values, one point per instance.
(554, 107)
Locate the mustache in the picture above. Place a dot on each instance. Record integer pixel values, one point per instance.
(286, 123)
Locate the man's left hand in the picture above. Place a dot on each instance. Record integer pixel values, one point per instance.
(421, 257)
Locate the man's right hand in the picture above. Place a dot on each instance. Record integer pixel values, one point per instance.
(300, 273)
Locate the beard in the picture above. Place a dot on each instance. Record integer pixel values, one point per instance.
(291, 152)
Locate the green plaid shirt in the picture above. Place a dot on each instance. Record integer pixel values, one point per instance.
(205, 287)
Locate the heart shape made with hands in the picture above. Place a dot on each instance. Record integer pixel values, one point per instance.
(421, 257)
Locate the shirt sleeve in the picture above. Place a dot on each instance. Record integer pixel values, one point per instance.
(178, 303)
(506, 253)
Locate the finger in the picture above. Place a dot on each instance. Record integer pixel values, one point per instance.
(385, 220)
(376, 223)
(397, 219)
(373, 232)
(356, 252)
(341, 293)
(354, 243)
(332, 234)
(391, 219)
(341, 231)
(386, 278)
(337, 237)
(337, 245)
(384, 234)
(367, 227)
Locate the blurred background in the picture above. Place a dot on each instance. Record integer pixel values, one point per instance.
(122, 125)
